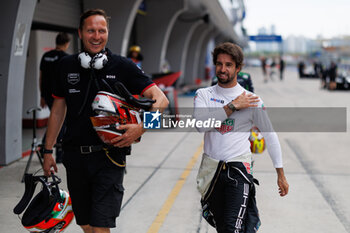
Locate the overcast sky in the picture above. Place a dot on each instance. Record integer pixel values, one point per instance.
(308, 18)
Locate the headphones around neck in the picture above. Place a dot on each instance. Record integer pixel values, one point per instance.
(96, 62)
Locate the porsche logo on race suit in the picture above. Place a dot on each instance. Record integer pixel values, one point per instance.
(226, 126)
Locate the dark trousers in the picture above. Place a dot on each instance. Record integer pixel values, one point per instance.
(229, 201)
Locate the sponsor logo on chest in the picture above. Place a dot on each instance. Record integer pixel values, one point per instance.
(110, 76)
(226, 126)
(73, 91)
(73, 78)
(217, 100)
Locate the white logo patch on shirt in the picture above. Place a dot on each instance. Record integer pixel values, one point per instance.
(73, 90)
(73, 78)
(110, 76)
(51, 59)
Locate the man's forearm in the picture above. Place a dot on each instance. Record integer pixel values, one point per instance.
(280, 172)
(53, 130)
(55, 122)
(161, 102)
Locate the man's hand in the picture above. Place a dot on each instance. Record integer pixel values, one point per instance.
(282, 182)
(49, 162)
(42, 102)
(245, 101)
(241, 102)
(132, 132)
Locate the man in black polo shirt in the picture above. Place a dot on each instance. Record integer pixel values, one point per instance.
(48, 65)
(94, 180)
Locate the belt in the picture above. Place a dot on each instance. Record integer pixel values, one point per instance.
(95, 148)
(85, 149)
(90, 149)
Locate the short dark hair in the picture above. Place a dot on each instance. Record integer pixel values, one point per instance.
(231, 49)
(91, 12)
(62, 38)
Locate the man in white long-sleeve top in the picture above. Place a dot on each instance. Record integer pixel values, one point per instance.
(224, 179)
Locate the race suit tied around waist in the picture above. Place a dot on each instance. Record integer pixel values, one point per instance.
(209, 167)
(206, 173)
(207, 177)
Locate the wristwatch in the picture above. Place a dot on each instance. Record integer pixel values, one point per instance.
(231, 107)
(46, 151)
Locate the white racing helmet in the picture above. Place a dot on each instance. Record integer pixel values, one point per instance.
(112, 111)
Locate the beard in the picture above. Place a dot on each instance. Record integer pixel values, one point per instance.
(225, 81)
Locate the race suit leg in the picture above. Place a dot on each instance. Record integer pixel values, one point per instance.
(229, 201)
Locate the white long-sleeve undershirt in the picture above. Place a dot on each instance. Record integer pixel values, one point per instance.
(231, 140)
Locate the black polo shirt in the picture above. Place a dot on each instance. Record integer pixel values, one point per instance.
(71, 83)
(48, 65)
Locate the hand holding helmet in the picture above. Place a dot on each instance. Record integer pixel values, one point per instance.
(112, 111)
(117, 110)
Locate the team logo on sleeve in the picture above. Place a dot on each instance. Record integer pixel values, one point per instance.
(226, 126)
(73, 78)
